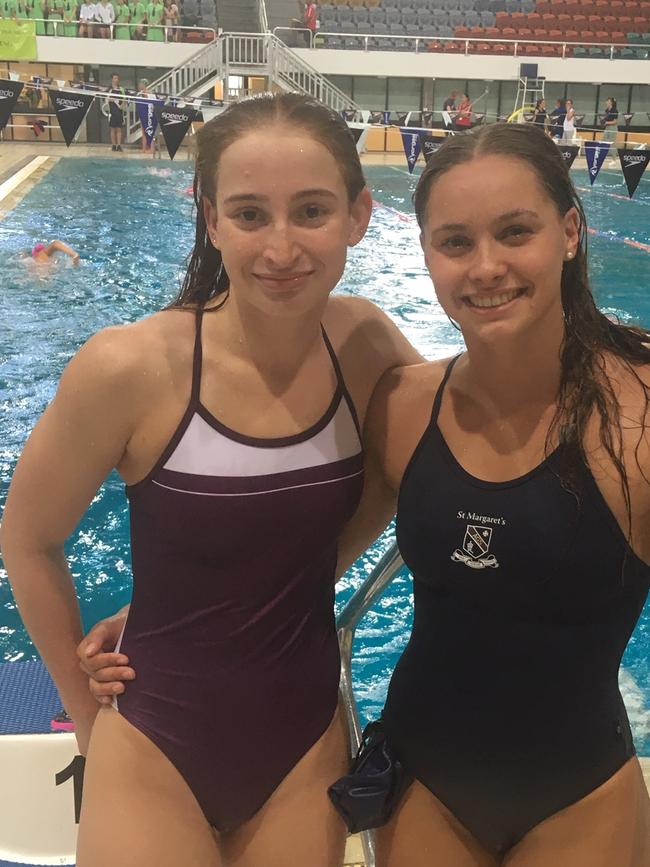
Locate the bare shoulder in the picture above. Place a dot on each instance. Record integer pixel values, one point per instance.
(399, 413)
(127, 361)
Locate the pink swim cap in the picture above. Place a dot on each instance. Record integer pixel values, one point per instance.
(36, 249)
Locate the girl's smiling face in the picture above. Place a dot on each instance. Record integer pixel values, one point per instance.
(495, 244)
(283, 219)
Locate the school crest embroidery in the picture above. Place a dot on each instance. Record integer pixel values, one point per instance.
(476, 545)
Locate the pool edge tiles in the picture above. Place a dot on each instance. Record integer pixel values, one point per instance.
(20, 178)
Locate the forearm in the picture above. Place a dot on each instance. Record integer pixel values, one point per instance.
(44, 592)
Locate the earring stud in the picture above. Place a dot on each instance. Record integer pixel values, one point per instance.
(569, 255)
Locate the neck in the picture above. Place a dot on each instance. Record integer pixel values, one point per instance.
(518, 373)
(276, 346)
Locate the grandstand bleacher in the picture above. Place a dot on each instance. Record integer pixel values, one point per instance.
(541, 28)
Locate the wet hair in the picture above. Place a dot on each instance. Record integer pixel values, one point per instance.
(589, 335)
(206, 277)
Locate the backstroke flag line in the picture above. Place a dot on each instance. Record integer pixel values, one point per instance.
(174, 123)
(634, 164)
(569, 153)
(9, 93)
(430, 145)
(595, 153)
(411, 142)
(149, 118)
(70, 108)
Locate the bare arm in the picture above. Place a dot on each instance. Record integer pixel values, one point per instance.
(61, 247)
(79, 439)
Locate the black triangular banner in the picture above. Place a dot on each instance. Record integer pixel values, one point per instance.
(174, 123)
(356, 132)
(70, 110)
(569, 153)
(348, 114)
(427, 118)
(9, 93)
(634, 164)
(376, 116)
(627, 117)
(580, 119)
(401, 118)
(430, 145)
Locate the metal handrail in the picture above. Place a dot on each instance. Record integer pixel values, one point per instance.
(417, 40)
(362, 600)
(264, 21)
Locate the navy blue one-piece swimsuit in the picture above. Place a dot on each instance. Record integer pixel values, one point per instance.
(505, 704)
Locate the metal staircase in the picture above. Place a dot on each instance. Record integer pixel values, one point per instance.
(243, 54)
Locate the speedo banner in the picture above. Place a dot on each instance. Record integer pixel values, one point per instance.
(411, 142)
(401, 118)
(148, 117)
(174, 123)
(427, 118)
(9, 93)
(634, 164)
(569, 154)
(595, 153)
(70, 108)
(17, 39)
(429, 145)
(376, 117)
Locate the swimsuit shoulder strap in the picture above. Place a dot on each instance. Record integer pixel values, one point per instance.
(437, 402)
(197, 361)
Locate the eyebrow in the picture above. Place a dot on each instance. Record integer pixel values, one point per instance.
(510, 215)
(255, 197)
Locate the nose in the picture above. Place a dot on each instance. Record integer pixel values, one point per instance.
(280, 249)
(488, 265)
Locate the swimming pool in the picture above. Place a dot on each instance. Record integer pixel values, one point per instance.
(132, 224)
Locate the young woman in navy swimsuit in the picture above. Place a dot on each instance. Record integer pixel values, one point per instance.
(234, 418)
(521, 475)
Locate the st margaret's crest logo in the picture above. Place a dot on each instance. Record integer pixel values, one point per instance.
(476, 545)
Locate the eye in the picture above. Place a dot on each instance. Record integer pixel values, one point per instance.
(313, 213)
(249, 217)
(516, 232)
(455, 244)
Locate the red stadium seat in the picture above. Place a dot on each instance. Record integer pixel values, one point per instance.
(533, 19)
(586, 36)
(502, 19)
(551, 50)
(524, 33)
(618, 37)
(571, 36)
(532, 49)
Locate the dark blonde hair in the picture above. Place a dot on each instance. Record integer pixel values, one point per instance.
(589, 335)
(206, 277)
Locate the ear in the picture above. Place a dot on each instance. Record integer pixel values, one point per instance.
(210, 215)
(572, 230)
(360, 213)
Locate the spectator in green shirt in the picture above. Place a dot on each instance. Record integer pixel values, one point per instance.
(70, 17)
(122, 18)
(9, 8)
(54, 9)
(155, 12)
(138, 13)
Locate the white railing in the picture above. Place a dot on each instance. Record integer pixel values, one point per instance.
(204, 63)
(373, 41)
(264, 21)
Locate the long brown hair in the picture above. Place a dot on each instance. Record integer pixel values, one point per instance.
(206, 277)
(589, 335)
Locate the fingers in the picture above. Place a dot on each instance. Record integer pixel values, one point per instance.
(103, 636)
(115, 664)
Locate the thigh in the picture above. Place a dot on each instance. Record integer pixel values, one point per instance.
(611, 826)
(298, 824)
(137, 810)
(423, 833)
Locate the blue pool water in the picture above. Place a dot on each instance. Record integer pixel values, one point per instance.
(133, 229)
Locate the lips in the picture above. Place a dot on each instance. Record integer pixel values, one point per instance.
(492, 301)
(284, 278)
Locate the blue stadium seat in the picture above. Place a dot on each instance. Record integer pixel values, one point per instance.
(472, 19)
(378, 15)
(456, 19)
(487, 19)
(440, 17)
(360, 14)
(409, 17)
(326, 12)
(393, 16)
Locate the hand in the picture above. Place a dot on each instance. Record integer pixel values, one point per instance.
(75, 259)
(107, 670)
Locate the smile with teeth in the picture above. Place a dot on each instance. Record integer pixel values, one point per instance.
(493, 300)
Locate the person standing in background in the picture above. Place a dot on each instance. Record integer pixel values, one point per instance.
(104, 15)
(610, 121)
(569, 126)
(86, 19)
(463, 118)
(35, 13)
(122, 18)
(155, 12)
(138, 12)
(539, 115)
(116, 113)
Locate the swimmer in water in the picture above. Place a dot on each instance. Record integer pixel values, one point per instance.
(44, 253)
